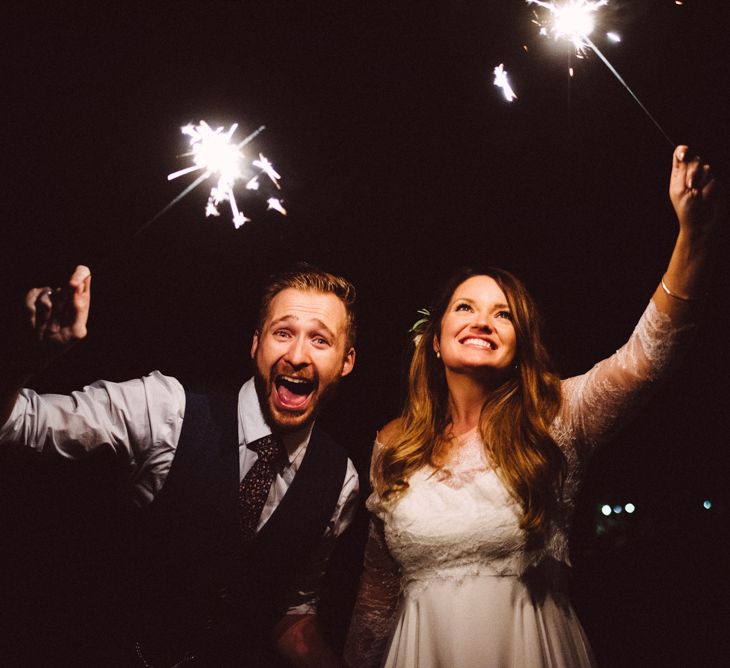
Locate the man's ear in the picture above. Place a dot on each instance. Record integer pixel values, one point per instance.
(255, 343)
(349, 363)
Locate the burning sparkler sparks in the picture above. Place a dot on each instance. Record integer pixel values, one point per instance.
(214, 152)
(573, 20)
(501, 81)
(267, 168)
(275, 203)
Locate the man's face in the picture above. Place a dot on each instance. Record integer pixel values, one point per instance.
(299, 356)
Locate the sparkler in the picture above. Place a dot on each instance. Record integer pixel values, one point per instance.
(573, 20)
(501, 81)
(214, 152)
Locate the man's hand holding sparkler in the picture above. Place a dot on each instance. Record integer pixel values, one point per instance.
(699, 201)
(54, 320)
(57, 318)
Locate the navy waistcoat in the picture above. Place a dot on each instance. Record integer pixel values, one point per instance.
(200, 589)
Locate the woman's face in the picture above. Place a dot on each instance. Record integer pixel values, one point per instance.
(477, 332)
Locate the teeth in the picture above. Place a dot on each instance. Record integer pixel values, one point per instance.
(481, 343)
(294, 380)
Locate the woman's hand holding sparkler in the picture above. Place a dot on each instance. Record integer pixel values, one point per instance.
(695, 192)
(701, 207)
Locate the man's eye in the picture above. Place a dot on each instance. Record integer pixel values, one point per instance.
(320, 341)
(281, 333)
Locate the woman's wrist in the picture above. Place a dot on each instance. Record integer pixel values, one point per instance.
(677, 294)
(697, 238)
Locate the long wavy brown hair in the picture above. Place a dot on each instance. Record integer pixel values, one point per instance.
(515, 418)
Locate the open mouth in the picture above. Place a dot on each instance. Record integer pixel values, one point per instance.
(293, 393)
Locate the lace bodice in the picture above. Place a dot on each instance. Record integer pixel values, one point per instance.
(454, 521)
(461, 520)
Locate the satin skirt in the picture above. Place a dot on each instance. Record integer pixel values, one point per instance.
(486, 621)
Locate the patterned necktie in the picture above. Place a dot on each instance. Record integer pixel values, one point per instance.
(254, 488)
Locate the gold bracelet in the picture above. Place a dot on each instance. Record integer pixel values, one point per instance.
(675, 295)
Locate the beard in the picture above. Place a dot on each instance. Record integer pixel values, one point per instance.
(287, 421)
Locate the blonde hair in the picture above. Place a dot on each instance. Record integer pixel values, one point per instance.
(514, 421)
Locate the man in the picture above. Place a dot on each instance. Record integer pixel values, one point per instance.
(241, 497)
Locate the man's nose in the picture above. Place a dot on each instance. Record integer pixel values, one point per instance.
(297, 355)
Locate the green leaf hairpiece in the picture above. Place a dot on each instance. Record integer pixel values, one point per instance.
(417, 327)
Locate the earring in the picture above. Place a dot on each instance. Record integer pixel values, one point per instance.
(438, 354)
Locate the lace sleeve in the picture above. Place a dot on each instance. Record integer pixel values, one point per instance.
(376, 603)
(595, 403)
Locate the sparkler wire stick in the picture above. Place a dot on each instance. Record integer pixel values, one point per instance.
(615, 73)
(123, 245)
(170, 204)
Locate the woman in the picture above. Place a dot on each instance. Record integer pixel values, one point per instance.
(474, 485)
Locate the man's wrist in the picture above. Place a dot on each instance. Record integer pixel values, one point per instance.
(16, 374)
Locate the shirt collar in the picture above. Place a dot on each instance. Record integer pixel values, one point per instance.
(253, 425)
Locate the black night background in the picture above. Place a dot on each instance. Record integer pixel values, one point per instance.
(400, 161)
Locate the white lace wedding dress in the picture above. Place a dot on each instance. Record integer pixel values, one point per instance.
(450, 581)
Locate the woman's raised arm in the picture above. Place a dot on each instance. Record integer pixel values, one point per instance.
(596, 402)
(699, 202)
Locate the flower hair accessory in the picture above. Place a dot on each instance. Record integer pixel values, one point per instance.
(417, 328)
